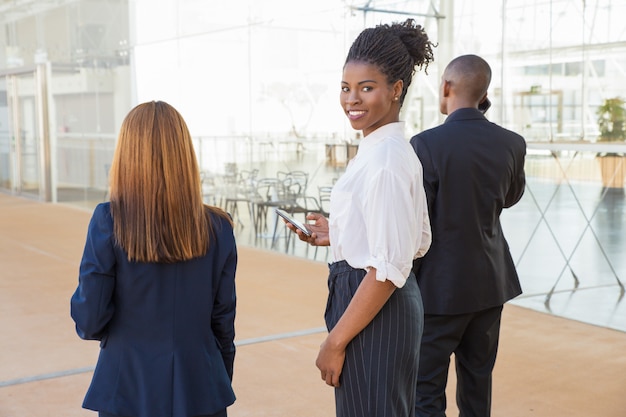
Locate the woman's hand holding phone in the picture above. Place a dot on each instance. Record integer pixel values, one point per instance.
(318, 229)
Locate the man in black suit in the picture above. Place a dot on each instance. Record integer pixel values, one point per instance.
(472, 170)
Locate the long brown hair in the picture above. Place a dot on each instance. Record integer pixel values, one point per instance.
(156, 194)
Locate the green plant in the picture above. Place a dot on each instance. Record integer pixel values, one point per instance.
(611, 117)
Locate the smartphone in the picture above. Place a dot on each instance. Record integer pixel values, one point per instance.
(296, 223)
(484, 106)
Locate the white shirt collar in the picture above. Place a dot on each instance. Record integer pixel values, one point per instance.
(395, 129)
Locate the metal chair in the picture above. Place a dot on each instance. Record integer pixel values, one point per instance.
(324, 199)
(242, 191)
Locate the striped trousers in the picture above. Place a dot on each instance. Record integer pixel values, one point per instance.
(379, 374)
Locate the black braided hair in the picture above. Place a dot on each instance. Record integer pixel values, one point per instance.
(396, 50)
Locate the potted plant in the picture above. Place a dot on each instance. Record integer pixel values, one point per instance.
(611, 117)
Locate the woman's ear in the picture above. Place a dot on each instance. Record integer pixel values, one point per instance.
(397, 89)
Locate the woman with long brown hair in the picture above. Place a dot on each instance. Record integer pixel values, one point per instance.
(157, 280)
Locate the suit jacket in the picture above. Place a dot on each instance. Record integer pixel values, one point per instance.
(472, 170)
(166, 330)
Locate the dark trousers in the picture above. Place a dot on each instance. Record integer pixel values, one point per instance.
(473, 338)
(379, 374)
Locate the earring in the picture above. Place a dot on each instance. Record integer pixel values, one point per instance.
(395, 99)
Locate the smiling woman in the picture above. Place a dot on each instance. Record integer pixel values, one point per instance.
(379, 225)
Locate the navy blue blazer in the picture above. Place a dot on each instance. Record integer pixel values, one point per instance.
(166, 331)
(472, 170)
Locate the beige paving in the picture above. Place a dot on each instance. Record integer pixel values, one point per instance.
(547, 367)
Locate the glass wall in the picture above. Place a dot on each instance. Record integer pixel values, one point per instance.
(80, 49)
(265, 70)
(249, 75)
(245, 74)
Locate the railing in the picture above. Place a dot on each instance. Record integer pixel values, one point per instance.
(569, 230)
(81, 160)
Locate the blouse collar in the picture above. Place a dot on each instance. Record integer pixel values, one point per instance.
(395, 129)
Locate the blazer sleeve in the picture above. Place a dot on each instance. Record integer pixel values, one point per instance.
(431, 182)
(518, 182)
(91, 305)
(225, 299)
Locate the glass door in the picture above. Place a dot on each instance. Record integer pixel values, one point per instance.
(24, 134)
(6, 140)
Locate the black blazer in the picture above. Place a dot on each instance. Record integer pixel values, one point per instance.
(166, 330)
(472, 170)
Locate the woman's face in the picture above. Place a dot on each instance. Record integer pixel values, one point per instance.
(366, 97)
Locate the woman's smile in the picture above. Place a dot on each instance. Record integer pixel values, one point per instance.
(355, 114)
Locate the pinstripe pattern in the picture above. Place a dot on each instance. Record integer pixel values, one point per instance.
(380, 371)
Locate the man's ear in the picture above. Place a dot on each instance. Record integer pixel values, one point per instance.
(446, 88)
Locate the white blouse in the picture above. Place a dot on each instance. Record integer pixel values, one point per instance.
(378, 212)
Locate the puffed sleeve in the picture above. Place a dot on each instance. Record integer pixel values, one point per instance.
(392, 224)
(91, 305)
